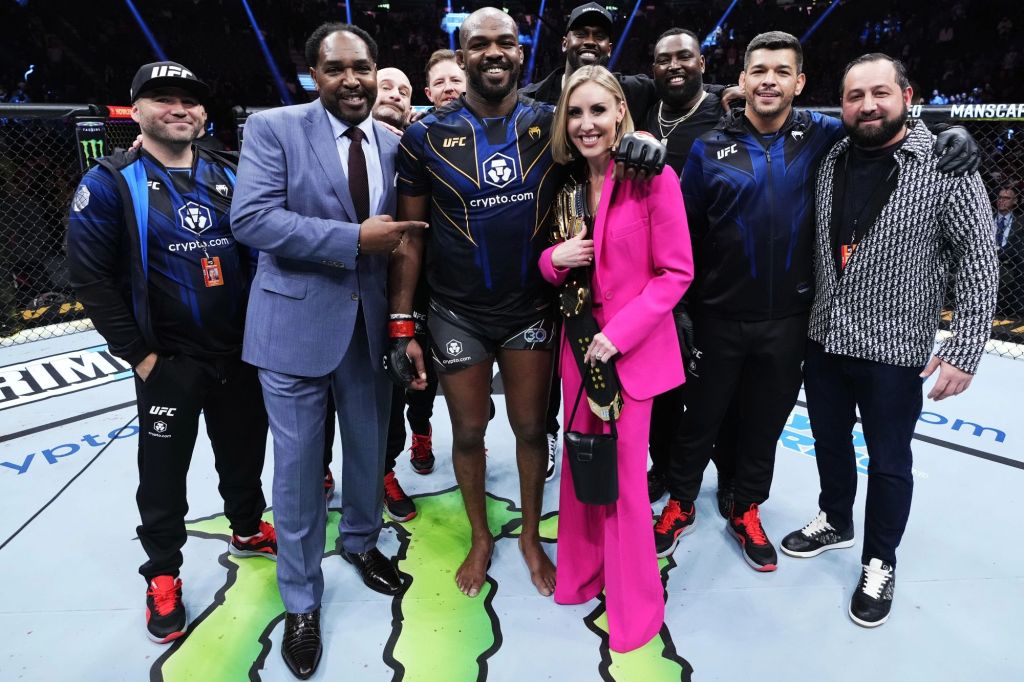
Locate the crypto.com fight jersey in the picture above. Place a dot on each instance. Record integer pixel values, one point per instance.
(182, 219)
(492, 183)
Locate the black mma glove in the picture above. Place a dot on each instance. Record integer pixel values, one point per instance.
(957, 151)
(642, 153)
(397, 364)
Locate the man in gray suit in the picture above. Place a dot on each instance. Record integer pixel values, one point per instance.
(310, 178)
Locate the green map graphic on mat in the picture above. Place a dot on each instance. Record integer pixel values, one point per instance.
(438, 633)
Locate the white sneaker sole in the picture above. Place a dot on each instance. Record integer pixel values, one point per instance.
(400, 519)
(686, 531)
(807, 555)
(169, 638)
(767, 568)
(246, 554)
(864, 623)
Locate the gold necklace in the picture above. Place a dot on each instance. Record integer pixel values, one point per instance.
(675, 123)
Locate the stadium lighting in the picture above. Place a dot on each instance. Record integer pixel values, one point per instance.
(625, 34)
(451, 32)
(815, 25)
(533, 48)
(709, 39)
(286, 97)
(157, 50)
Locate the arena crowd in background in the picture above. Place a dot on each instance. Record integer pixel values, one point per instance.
(958, 50)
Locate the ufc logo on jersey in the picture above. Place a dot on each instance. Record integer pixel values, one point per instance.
(154, 185)
(454, 142)
(169, 411)
(722, 153)
(161, 71)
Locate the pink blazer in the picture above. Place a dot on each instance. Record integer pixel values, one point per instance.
(643, 267)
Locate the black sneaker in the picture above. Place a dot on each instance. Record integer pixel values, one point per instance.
(263, 544)
(655, 486)
(422, 453)
(397, 504)
(677, 519)
(816, 537)
(725, 498)
(757, 549)
(552, 450)
(165, 612)
(873, 599)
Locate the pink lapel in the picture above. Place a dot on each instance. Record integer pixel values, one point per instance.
(602, 209)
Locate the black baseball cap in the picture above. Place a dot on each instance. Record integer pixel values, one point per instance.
(168, 75)
(590, 14)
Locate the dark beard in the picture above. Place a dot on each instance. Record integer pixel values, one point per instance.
(876, 137)
(489, 92)
(678, 98)
(574, 60)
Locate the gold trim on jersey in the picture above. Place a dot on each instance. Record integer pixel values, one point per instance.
(540, 192)
(519, 152)
(465, 232)
(411, 155)
(443, 157)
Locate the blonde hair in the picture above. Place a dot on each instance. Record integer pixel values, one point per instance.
(563, 151)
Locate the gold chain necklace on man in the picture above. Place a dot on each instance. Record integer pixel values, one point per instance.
(676, 122)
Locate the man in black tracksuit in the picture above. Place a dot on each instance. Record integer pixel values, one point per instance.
(152, 258)
(748, 188)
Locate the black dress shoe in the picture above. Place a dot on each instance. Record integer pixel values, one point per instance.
(378, 573)
(301, 646)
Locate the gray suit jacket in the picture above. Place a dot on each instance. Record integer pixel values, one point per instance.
(292, 204)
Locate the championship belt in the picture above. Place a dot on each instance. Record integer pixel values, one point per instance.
(575, 302)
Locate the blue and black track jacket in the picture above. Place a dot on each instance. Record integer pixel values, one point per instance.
(750, 208)
(137, 237)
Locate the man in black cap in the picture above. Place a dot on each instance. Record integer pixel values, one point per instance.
(152, 258)
(588, 40)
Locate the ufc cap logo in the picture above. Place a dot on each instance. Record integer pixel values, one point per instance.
(165, 70)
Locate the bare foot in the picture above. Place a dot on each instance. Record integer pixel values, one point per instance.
(473, 572)
(542, 571)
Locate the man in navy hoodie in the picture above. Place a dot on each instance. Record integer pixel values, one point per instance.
(153, 260)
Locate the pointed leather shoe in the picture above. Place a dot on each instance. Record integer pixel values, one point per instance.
(301, 645)
(378, 573)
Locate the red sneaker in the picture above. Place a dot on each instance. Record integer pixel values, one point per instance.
(757, 548)
(165, 612)
(397, 504)
(676, 521)
(264, 543)
(422, 457)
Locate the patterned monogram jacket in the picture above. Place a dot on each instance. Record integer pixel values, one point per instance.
(886, 306)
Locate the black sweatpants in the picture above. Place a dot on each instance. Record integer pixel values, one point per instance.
(666, 412)
(420, 410)
(227, 392)
(758, 365)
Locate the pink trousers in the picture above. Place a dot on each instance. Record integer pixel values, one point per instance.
(611, 547)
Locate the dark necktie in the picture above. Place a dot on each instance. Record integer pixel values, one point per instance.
(358, 184)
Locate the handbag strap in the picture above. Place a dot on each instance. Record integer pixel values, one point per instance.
(576, 405)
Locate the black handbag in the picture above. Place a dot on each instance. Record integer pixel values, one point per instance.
(593, 460)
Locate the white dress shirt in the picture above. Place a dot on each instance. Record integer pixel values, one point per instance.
(374, 172)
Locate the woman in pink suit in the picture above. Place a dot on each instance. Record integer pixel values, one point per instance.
(642, 266)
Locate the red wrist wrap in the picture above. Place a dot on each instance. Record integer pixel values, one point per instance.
(400, 329)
